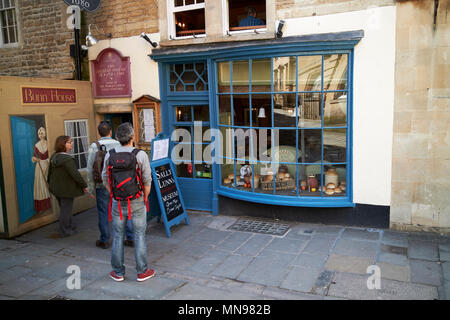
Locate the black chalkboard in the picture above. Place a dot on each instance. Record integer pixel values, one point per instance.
(170, 195)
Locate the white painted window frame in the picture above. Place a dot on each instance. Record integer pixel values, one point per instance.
(85, 137)
(16, 29)
(226, 22)
(171, 10)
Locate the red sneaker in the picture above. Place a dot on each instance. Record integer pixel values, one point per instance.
(149, 273)
(115, 277)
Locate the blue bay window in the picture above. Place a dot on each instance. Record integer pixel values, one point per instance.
(284, 111)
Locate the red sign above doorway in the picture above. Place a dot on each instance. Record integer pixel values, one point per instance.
(111, 76)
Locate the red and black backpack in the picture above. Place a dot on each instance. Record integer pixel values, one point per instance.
(124, 178)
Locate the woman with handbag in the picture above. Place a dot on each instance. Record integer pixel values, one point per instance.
(65, 182)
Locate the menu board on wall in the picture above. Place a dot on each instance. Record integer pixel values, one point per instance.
(111, 76)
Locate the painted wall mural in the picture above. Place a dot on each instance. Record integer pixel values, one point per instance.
(31, 162)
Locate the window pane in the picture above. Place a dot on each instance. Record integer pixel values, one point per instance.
(335, 109)
(310, 145)
(309, 180)
(187, 2)
(335, 181)
(261, 110)
(5, 35)
(287, 149)
(183, 134)
(227, 174)
(203, 171)
(309, 110)
(225, 109)
(241, 76)
(223, 70)
(183, 114)
(185, 170)
(244, 176)
(284, 111)
(284, 74)
(309, 73)
(201, 113)
(190, 22)
(286, 180)
(334, 145)
(266, 176)
(261, 75)
(178, 3)
(241, 110)
(335, 72)
(12, 35)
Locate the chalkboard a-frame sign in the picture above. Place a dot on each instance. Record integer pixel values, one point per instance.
(165, 195)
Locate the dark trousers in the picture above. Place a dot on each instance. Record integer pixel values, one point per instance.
(66, 226)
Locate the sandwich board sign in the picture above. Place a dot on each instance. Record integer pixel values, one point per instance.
(165, 197)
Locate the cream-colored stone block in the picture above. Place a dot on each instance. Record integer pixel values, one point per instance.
(402, 193)
(402, 121)
(424, 214)
(439, 145)
(400, 214)
(402, 39)
(420, 36)
(438, 171)
(407, 99)
(439, 99)
(410, 146)
(441, 77)
(444, 218)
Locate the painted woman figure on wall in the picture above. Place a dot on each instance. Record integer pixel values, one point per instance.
(40, 157)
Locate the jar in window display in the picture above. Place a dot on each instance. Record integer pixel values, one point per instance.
(331, 176)
(312, 182)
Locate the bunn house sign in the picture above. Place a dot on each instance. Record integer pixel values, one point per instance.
(88, 5)
(111, 75)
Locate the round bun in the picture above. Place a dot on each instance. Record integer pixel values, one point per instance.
(231, 176)
(226, 180)
(281, 175)
(287, 175)
(329, 191)
(331, 185)
(337, 190)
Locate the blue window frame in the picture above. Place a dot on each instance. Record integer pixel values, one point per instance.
(302, 99)
(306, 99)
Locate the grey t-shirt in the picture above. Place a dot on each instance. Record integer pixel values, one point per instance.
(143, 163)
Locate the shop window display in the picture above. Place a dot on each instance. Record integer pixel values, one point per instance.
(301, 101)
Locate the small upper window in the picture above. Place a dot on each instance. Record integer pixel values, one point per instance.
(8, 22)
(186, 18)
(246, 15)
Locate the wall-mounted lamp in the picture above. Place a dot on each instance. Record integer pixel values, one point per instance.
(145, 36)
(91, 40)
(280, 29)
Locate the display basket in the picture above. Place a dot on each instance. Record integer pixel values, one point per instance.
(279, 184)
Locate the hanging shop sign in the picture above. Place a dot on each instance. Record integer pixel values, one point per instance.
(111, 77)
(88, 5)
(47, 96)
(165, 196)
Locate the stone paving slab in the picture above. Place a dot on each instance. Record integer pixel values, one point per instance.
(193, 291)
(424, 250)
(348, 264)
(366, 249)
(286, 245)
(254, 245)
(209, 262)
(308, 260)
(352, 286)
(360, 234)
(22, 285)
(232, 266)
(300, 279)
(320, 245)
(425, 272)
(395, 272)
(234, 241)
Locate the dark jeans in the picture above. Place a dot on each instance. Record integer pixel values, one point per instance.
(66, 226)
(103, 197)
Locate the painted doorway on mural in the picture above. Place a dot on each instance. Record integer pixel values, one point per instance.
(31, 161)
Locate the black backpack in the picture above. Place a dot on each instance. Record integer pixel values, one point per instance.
(97, 168)
(124, 178)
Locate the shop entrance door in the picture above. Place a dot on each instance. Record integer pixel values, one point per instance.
(23, 137)
(189, 123)
(115, 119)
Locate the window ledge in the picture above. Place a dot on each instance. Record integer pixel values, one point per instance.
(293, 201)
(9, 46)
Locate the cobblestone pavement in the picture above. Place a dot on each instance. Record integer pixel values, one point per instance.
(207, 260)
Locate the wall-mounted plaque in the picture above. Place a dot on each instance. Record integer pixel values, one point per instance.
(47, 96)
(111, 77)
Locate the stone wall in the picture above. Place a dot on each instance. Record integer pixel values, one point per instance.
(124, 18)
(44, 42)
(421, 146)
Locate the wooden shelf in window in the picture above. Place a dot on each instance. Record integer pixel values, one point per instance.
(190, 32)
(247, 28)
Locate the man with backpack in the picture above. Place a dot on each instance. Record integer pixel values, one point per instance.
(127, 176)
(96, 155)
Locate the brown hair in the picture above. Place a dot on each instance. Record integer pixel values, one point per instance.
(60, 143)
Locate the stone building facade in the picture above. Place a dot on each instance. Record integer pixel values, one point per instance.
(42, 46)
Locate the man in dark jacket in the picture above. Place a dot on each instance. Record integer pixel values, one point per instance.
(65, 182)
